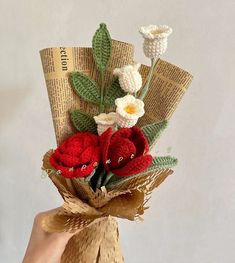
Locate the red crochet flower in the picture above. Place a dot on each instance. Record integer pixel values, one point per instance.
(77, 156)
(124, 152)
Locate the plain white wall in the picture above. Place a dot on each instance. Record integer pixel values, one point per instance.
(192, 214)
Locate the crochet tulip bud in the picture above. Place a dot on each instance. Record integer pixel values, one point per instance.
(130, 79)
(155, 40)
(105, 121)
(129, 110)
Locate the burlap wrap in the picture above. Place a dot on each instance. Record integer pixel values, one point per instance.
(98, 240)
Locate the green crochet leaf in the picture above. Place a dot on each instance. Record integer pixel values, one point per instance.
(102, 47)
(114, 92)
(83, 122)
(85, 87)
(164, 162)
(153, 131)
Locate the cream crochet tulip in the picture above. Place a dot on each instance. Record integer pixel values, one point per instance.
(129, 110)
(155, 40)
(130, 79)
(105, 121)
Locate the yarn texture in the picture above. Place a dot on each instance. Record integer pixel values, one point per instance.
(105, 121)
(129, 78)
(124, 153)
(155, 40)
(102, 47)
(77, 156)
(129, 110)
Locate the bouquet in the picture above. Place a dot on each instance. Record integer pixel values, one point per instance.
(108, 113)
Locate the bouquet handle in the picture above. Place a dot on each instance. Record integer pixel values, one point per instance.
(97, 243)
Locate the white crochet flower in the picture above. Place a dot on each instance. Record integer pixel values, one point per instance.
(155, 39)
(105, 121)
(130, 79)
(129, 110)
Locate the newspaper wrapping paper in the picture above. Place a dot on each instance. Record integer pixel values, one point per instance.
(98, 241)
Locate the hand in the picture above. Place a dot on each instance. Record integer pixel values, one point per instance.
(45, 247)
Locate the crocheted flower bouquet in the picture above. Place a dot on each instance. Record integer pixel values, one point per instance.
(108, 113)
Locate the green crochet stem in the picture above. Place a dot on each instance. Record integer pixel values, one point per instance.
(113, 92)
(146, 86)
(108, 177)
(102, 93)
(100, 179)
